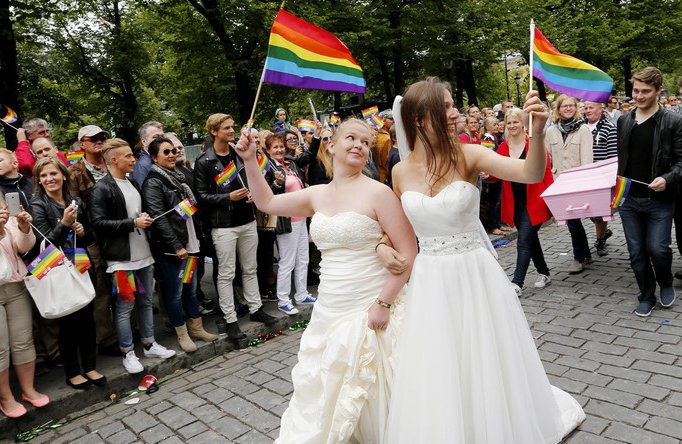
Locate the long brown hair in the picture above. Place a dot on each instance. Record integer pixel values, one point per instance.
(443, 153)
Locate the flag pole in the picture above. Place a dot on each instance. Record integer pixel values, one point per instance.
(530, 78)
(255, 102)
(10, 125)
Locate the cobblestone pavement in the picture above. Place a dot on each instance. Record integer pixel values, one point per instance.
(625, 371)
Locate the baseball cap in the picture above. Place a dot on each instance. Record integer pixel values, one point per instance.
(90, 130)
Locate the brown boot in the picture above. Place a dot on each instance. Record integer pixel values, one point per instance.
(186, 344)
(196, 331)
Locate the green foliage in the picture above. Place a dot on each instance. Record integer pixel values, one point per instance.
(119, 63)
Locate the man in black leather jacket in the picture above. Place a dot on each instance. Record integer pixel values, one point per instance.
(115, 204)
(230, 215)
(650, 151)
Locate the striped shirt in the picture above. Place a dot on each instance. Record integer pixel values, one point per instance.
(604, 139)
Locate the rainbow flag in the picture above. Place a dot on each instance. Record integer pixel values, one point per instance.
(81, 260)
(367, 113)
(250, 122)
(306, 125)
(187, 269)
(326, 124)
(49, 258)
(488, 143)
(567, 74)
(227, 175)
(74, 156)
(124, 285)
(335, 119)
(301, 55)
(621, 191)
(263, 163)
(185, 208)
(376, 120)
(10, 117)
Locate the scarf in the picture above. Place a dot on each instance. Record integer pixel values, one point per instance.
(568, 126)
(177, 179)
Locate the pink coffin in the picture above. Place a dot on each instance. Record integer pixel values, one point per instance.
(584, 191)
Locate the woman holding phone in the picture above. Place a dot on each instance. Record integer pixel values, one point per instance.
(61, 219)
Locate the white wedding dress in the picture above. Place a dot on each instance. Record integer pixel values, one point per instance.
(467, 371)
(343, 377)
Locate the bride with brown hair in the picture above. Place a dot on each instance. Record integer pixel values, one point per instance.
(467, 369)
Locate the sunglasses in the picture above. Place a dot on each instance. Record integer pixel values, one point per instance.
(326, 139)
(96, 138)
(168, 151)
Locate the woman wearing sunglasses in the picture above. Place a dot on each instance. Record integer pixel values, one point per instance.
(174, 239)
(317, 171)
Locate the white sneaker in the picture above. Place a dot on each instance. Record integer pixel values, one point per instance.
(132, 364)
(542, 281)
(158, 351)
(517, 290)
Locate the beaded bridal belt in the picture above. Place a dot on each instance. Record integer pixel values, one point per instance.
(452, 244)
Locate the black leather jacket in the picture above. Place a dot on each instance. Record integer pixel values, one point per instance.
(109, 219)
(667, 149)
(169, 233)
(47, 215)
(215, 205)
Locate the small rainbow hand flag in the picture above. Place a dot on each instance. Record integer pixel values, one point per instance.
(306, 125)
(263, 163)
(10, 116)
(74, 156)
(376, 121)
(326, 124)
(367, 113)
(250, 123)
(49, 258)
(187, 269)
(621, 191)
(185, 208)
(81, 260)
(335, 119)
(227, 175)
(124, 285)
(488, 143)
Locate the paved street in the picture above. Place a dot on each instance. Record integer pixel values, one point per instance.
(625, 371)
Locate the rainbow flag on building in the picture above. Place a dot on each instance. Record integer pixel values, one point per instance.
(187, 269)
(306, 125)
(185, 208)
(301, 55)
(74, 156)
(263, 163)
(81, 260)
(49, 258)
(567, 74)
(226, 176)
(621, 191)
(10, 115)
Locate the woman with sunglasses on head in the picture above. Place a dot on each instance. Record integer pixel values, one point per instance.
(62, 219)
(174, 239)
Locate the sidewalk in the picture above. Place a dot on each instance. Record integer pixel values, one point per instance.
(625, 371)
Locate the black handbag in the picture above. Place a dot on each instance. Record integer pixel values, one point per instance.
(283, 225)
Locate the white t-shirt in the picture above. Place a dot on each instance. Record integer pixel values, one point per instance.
(140, 253)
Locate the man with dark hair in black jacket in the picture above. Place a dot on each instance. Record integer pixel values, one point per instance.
(650, 151)
(229, 213)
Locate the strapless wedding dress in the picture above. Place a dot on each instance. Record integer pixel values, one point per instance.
(467, 371)
(343, 377)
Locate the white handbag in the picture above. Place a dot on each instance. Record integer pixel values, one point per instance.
(62, 291)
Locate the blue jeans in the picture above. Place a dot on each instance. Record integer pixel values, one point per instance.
(581, 248)
(647, 224)
(527, 247)
(145, 321)
(175, 294)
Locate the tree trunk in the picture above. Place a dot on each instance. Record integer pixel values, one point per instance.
(459, 84)
(627, 74)
(8, 72)
(245, 93)
(394, 18)
(470, 82)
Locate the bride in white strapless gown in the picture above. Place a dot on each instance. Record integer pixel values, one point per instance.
(342, 382)
(467, 369)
